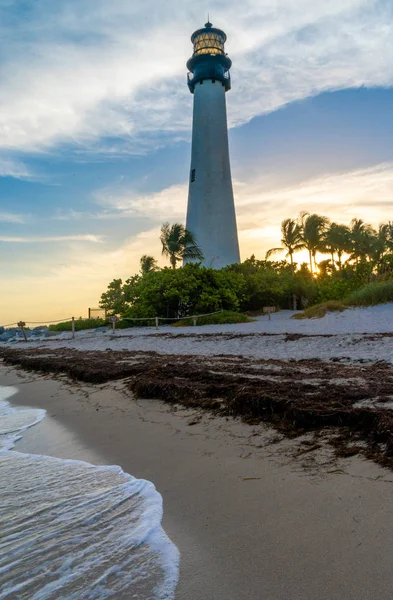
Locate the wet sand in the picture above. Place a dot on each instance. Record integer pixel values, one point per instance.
(250, 520)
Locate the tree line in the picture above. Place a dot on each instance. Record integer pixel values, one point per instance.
(317, 234)
(358, 254)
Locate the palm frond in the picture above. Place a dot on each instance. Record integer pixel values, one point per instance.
(273, 251)
(192, 253)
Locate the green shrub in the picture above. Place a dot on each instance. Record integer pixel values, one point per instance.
(126, 324)
(189, 290)
(319, 310)
(371, 294)
(333, 289)
(226, 316)
(80, 324)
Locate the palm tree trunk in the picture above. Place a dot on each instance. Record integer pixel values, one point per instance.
(292, 265)
(293, 276)
(333, 263)
(173, 261)
(310, 254)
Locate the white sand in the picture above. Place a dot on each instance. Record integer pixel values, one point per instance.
(347, 330)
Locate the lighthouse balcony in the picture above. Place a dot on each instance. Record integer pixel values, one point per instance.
(223, 77)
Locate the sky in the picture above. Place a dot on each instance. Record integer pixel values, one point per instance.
(95, 130)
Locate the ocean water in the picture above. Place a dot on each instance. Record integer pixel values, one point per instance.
(72, 530)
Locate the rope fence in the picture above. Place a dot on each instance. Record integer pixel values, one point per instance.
(113, 320)
(171, 318)
(48, 322)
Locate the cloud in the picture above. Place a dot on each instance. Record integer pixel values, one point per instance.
(261, 206)
(6, 217)
(13, 168)
(116, 70)
(262, 203)
(363, 192)
(339, 195)
(76, 215)
(169, 201)
(46, 239)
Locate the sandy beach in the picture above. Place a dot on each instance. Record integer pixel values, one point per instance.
(251, 516)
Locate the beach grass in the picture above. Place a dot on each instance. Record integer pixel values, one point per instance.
(371, 294)
(320, 310)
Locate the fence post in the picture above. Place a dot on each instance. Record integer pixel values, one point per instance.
(156, 322)
(22, 325)
(194, 320)
(73, 327)
(113, 321)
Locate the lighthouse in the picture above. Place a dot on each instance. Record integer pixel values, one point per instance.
(211, 209)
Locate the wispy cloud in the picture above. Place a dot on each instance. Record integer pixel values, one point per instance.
(6, 217)
(169, 201)
(363, 193)
(12, 168)
(76, 215)
(117, 69)
(45, 239)
(262, 203)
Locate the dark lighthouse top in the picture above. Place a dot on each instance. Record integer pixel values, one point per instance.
(209, 60)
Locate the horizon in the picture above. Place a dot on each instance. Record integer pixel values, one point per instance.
(96, 128)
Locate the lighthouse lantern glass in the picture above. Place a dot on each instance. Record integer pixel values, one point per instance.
(209, 43)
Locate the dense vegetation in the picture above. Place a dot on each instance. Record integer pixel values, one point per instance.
(359, 257)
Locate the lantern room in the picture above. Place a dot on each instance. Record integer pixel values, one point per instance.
(209, 41)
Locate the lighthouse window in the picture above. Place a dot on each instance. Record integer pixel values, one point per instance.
(209, 43)
(192, 175)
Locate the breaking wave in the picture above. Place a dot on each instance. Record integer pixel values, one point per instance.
(72, 530)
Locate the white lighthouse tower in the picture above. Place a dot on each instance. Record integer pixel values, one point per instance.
(211, 210)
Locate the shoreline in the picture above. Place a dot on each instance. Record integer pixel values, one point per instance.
(248, 519)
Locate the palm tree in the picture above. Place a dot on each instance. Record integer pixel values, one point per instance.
(179, 244)
(379, 244)
(148, 263)
(291, 240)
(337, 240)
(313, 228)
(361, 239)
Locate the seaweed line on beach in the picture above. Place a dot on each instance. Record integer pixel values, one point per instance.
(352, 402)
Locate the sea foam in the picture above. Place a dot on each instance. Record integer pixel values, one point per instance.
(71, 530)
